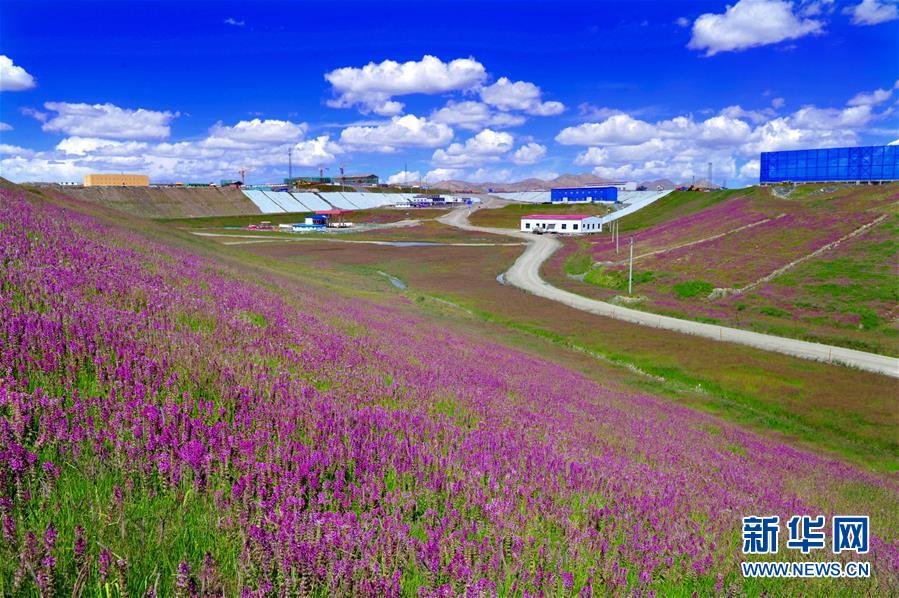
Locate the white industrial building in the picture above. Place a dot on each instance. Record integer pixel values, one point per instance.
(566, 224)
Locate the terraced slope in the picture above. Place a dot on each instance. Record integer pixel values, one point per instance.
(818, 265)
(168, 202)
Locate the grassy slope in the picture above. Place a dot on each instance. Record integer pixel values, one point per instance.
(803, 401)
(842, 297)
(183, 523)
(828, 408)
(510, 216)
(677, 204)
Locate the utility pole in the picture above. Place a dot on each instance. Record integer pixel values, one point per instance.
(630, 270)
(290, 165)
(616, 237)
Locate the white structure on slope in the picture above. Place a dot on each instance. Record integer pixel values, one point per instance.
(566, 224)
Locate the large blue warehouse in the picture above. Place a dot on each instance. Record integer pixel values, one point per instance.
(873, 163)
(584, 194)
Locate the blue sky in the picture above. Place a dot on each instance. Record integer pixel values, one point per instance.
(193, 91)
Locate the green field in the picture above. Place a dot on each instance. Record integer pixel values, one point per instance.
(378, 216)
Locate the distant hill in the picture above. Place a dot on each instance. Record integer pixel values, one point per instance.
(663, 183)
(563, 180)
(531, 184)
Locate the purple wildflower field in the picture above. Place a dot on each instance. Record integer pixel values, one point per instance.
(720, 218)
(169, 425)
(736, 260)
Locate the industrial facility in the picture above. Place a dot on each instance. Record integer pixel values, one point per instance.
(116, 180)
(566, 224)
(349, 179)
(584, 195)
(868, 164)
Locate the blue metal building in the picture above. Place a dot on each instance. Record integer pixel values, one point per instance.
(848, 164)
(584, 194)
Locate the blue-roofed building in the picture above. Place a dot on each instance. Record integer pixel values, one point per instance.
(873, 163)
(584, 195)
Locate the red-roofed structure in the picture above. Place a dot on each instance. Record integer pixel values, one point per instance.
(565, 224)
(333, 212)
(556, 216)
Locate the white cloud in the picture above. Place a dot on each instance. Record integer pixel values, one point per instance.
(853, 117)
(812, 8)
(475, 116)
(623, 147)
(751, 170)
(401, 131)
(372, 86)
(13, 77)
(234, 22)
(82, 146)
(15, 150)
(683, 22)
(251, 132)
(778, 103)
(620, 128)
(722, 130)
(624, 130)
(789, 133)
(878, 96)
(314, 152)
(404, 177)
(20, 168)
(530, 153)
(37, 115)
(488, 145)
(5, 127)
(520, 95)
(108, 120)
(750, 23)
(894, 142)
(442, 174)
(488, 175)
(872, 12)
(756, 116)
(588, 110)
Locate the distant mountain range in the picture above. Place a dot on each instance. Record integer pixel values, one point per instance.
(564, 180)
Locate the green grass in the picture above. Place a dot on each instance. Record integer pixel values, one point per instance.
(231, 221)
(678, 204)
(157, 526)
(692, 288)
(373, 215)
(578, 263)
(617, 279)
(663, 377)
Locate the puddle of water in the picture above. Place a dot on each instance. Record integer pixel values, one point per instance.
(393, 280)
(411, 243)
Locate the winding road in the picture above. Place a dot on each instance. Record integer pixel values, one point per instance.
(525, 274)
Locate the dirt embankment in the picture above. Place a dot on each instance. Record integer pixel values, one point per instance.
(168, 202)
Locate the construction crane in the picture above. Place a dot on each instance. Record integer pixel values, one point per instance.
(321, 174)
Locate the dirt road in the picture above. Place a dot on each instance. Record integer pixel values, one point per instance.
(525, 274)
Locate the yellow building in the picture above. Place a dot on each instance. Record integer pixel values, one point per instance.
(116, 180)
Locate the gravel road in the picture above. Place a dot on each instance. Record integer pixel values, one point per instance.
(525, 274)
